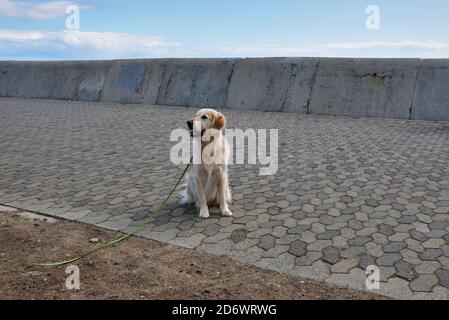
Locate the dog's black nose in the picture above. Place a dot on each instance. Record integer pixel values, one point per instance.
(190, 124)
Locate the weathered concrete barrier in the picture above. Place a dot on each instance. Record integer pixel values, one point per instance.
(381, 88)
(365, 87)
(432, 91)
(272, 84)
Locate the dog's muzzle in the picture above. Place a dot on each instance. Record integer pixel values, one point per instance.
(190, 126)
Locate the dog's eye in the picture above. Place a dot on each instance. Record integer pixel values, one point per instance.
(204, 117)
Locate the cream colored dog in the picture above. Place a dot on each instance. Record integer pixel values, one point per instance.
(207, 183)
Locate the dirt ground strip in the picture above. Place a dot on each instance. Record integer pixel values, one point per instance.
(136, 269)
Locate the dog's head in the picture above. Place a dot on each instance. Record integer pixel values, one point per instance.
(207, 119)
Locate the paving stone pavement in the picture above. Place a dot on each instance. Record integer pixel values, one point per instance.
(349, 193)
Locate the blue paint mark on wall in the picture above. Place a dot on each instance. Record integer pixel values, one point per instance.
(131, 77)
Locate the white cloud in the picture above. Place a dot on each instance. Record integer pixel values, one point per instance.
(83, 45)
(38, 11)
(376, 48)
(69, 45)
(387, 44)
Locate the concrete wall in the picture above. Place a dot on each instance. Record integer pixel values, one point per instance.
(431, 101)
(276, 85)
(365, 87)
(381, 88)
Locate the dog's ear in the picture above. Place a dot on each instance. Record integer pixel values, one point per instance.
(219, 122)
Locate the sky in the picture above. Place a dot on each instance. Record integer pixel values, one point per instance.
(115, 29)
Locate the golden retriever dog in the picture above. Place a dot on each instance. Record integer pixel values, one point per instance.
(207, 183)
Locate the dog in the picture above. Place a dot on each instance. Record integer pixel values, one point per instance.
(208, 181)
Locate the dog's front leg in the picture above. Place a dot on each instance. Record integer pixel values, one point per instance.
(222, 195)
(202, 201)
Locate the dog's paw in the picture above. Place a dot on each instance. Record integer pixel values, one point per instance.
(204, 213)
(226, 213)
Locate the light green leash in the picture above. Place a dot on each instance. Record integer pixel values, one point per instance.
(150, 218)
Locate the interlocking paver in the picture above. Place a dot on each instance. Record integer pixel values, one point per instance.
(331, 255)
(394, 247)
(443, 277)
(349, 192)
(275, 251)
(298, 248)
(388, 259)
(267, 242)
(309, 258)
(428, 267)
(431, 254)
(365, 261)
(344, 266)
(424, 283)
(405, 270)
(433, 243)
